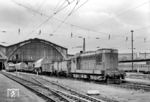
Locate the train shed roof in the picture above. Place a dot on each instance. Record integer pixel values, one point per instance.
(34, 39)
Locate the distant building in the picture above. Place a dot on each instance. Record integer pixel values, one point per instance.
(144, 55)
(128, 56)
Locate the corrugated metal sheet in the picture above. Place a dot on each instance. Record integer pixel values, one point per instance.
(38, 63)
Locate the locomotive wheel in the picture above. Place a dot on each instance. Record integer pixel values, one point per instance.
(88, 77)
(34, 71)
(117, 81)
(71, 75)
(123, 77)
(109, 80)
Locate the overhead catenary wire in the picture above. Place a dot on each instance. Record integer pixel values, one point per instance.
(80, 27)
(68, 1)
(40, 6)
(59, 7)
(77, 1)
(80, 6)
(26, 7)
(45, 21)
(125, 11)
(73, 8)
(111, 35)
(61, 2)
(49, 17)
(59, 20)
(62, 21)
(66, 17)
(63, 7)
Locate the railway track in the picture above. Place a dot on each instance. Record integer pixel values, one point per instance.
(54, 92)
(128, 85)
(48, 95)
(63, 90)
(67, 91)
(75, 96)
(134, 85)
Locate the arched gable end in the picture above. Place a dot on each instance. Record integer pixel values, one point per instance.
(48, 46)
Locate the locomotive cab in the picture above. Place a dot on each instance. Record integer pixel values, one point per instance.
(111, 72)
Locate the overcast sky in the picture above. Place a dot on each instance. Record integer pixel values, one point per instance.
(109, 20)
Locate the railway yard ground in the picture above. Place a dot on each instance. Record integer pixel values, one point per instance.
(110, 92)
(106, 93)
(24, 94)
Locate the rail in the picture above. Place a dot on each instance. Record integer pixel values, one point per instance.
(42, 91)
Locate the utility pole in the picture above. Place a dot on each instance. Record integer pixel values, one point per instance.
(145, 54)
(83, 44)
(132, 46)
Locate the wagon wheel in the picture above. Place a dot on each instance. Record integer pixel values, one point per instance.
(40, 70)
(109, 80)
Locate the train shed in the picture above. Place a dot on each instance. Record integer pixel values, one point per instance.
(31, 50)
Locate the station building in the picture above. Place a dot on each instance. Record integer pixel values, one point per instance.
(31, 50)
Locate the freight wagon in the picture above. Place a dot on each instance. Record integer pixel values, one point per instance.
(43, 65)
(62, 68)
(10, 67)
(21, 66)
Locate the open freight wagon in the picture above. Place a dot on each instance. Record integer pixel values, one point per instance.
(43, 65)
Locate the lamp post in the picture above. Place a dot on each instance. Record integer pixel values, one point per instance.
(132, 46)
(83, 43)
